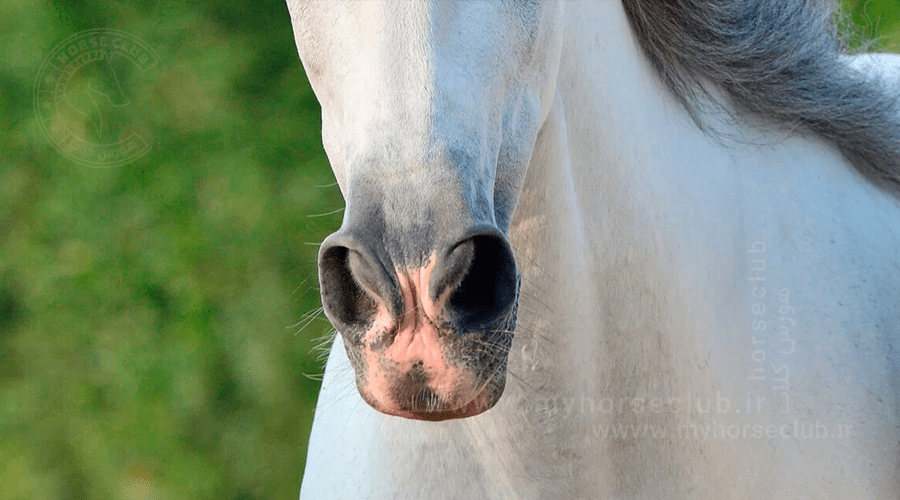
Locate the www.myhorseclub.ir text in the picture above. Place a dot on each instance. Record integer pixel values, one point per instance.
(794, 429)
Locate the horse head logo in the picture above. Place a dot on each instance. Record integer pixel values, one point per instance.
(100, 90)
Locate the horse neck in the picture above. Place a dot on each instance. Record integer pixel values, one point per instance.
(608, 309)
(610, 302)
(594, 209)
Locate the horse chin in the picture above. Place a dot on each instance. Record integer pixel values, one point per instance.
(483, 402)
(439, 410)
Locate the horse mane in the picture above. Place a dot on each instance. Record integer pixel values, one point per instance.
(778, 60)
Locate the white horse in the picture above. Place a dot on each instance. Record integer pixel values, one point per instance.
(673, 226)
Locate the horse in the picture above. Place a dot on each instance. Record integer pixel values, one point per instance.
(605, 249)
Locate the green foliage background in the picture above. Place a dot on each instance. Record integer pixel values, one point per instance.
(159, 321)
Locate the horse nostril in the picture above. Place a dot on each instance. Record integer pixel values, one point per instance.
(477, 276)
(483, 272)
(350, 286)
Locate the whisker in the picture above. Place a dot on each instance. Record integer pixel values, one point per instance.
(323, 345)
(326, 214)
(299, 285)
(306, 319)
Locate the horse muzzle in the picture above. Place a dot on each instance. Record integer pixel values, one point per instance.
(427, 323)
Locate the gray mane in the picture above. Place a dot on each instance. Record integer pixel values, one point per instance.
(776, 59)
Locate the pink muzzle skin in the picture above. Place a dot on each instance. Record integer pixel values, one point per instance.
(408, 372)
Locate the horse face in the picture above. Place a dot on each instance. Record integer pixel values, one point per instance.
(430, 111)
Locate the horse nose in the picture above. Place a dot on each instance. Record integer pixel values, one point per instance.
(479, 277)
(473, 281)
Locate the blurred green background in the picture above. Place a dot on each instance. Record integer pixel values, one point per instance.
(159, 321)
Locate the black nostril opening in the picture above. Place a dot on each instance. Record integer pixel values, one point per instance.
(348, 285)
(488, 287)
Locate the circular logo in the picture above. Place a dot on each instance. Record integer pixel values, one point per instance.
(81, 97)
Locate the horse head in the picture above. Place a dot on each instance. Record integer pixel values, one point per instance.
(91, 90)
(430, 112)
